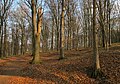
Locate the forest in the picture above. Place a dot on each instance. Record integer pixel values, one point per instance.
(59, 42)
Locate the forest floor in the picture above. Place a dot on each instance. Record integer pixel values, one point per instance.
(74, 69)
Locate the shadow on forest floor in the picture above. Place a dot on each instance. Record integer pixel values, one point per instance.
(74, 69)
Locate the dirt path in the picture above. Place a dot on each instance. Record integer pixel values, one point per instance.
(11, 65)
(9, 68)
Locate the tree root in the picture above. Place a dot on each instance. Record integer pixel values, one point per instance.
(61, 58)
(97, 74)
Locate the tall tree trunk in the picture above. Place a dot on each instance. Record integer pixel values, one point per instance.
(1, 36)
(77, 38)
(1, 42)
(102, 19)
(58, 26)
(12, 43)
(37, 32)
(17, 42)
(62, 32)
(96, 64)
(5, 40)
(70, 33)
(34, 25)
(73, 40)
(23, 40)
(105, 24)
(52, 39)
(109, 30)
(68, 36)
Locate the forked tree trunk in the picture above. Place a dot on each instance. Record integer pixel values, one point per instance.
(37, 32)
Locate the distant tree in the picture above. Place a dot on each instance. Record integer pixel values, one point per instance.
(52, 39)
(4, 9)
(54, 6)
(45, 35)
(108, 21)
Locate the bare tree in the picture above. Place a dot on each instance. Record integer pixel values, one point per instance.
(96, 61)
(4, 9)
(37, 24)
(62, 38)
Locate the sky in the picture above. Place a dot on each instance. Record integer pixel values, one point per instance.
(15, 4)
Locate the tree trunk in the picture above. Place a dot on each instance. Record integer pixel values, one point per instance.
(16, 40)
(62, 33)
(96, 64)
(1, 36)
(52, 39)
(5, 40)
(68, 36)
(1, 42)
(102, 19)
(23, 40)
(109, 30)
(37, 32)
(34, 29)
